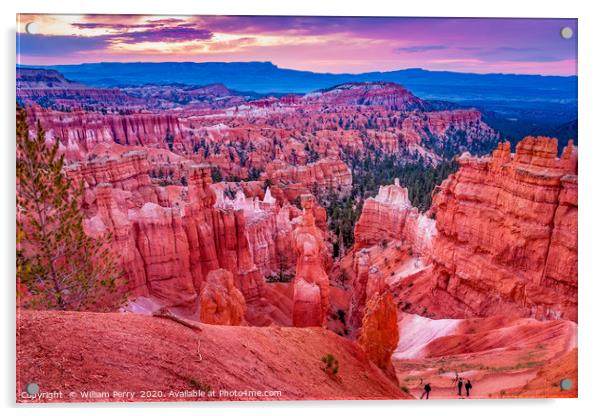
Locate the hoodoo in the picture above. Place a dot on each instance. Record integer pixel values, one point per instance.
(221, 302)
(391, 216)
(311, 292)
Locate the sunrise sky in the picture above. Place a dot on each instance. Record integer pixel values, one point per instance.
(319, 44)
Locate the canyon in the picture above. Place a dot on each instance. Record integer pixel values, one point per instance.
(243, 136)
(220, 209)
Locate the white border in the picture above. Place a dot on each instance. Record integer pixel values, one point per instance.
(590, 149)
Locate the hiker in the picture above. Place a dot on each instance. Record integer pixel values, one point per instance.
(456, 378)
(427, 391)
(468, 386)
(460, 384)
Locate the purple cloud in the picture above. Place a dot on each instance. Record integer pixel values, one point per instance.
(114, 26)
(422, 48)
(162, 30)
(43, 45)
(49, 45)
(165, 34)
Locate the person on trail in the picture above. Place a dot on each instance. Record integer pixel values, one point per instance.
(426, 392)
(468, 386)
(460, 384)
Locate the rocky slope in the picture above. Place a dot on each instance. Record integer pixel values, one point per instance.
(135, 353)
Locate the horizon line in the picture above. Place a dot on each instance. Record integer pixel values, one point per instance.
(294, 69)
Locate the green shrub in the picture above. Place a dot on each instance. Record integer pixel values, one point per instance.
(331, 364)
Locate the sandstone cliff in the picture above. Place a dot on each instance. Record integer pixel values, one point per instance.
(392, 240)
(320, 177)
(79, 131)
(168, 239)
(507, 233)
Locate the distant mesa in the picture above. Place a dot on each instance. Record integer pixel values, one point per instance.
(43, 78)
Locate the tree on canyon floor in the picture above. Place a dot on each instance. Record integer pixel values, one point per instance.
(342, 213)
(369, 173)
(58, 265)
(169, 139)
(416, 174)
(216, 175)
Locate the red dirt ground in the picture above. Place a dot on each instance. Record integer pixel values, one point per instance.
(74, 352)
(546, 382)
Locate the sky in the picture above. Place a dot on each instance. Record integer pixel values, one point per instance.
(318, 44)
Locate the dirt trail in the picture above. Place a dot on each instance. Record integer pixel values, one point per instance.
(500, 356)
(484, 385)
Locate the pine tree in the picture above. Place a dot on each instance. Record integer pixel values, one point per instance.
(58, 265)
(169, 139)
